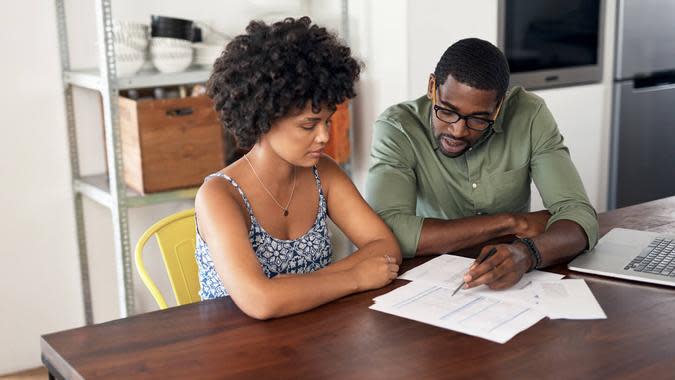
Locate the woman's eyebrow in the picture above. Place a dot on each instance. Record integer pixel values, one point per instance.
(318, 118)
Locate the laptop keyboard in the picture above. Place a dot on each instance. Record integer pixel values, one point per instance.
(657, 258)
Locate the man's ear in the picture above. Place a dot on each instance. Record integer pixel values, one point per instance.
(430, 86)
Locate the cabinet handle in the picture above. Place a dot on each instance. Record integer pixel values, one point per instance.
(179, 112)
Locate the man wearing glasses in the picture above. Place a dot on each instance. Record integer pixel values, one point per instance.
(452, 170)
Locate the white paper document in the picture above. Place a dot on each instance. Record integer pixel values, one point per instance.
(476, 315)
(567, 299)
(449, 270)
(496, 315)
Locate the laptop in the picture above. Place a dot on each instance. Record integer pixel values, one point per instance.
(631, 255)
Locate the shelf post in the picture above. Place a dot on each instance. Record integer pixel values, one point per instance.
(118, 206)
(74, 163)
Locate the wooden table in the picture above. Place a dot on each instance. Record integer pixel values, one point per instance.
(346, 340)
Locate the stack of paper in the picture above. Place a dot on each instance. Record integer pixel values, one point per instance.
(494, 315)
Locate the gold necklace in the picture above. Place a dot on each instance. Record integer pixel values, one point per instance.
(269, 192)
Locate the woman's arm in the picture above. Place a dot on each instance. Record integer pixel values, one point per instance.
(350, 212)
(222, 225)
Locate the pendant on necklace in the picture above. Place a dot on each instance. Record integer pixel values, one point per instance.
(285, 212)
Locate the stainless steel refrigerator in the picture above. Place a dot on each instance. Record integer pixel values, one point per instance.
(642, 166)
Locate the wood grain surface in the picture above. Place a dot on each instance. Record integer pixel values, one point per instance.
(346, 340)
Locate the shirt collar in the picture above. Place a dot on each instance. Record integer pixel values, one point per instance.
(497, 126)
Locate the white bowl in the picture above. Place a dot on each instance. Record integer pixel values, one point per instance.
(163, 50)
(169, 50)
(129, 57)
(169, 42)
(128, 66)
(171, 56)
(132, 33)
(204, 61)
(172, 64)
(132, 42)
(206, 49)
(123, 49)
(129, 27)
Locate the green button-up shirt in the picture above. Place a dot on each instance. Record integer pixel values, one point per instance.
(409, 179)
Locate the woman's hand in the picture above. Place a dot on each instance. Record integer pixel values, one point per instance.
(374, 272)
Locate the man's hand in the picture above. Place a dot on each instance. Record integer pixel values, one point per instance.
(531, 224)
(503, 270)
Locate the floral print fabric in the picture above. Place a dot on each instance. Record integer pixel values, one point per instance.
(310, 252)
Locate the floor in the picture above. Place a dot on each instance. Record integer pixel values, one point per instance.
(32, 374)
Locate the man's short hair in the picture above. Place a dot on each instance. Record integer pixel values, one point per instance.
(476, 63)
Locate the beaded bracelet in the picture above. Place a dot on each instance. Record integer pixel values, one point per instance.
(536, 256)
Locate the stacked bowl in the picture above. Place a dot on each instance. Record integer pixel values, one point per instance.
(170, 46)
(170, 55)
(206, 55)
(131, 42)
(171, 27)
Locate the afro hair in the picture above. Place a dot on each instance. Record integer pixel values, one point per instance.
(272, 69)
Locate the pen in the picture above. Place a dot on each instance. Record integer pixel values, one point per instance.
(490, 253)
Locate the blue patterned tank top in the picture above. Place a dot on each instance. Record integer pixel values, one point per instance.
(308, 253)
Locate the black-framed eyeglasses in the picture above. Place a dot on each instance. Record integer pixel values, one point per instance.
(475, 123)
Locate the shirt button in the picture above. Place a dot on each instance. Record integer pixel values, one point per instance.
(470, 149)
(474, 185)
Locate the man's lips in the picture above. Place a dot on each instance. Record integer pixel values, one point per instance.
(452, 145)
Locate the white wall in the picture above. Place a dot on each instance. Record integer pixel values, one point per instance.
(582, 119)
(40, 280)
(380, 40)
(435, 25)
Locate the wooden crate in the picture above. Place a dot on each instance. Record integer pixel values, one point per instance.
(338, 146)
(169, 143)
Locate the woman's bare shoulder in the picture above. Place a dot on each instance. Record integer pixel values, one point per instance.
(217, 196)
(329, 168)
(332, 175)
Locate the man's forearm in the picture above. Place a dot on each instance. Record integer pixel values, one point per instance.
(562, 241)
(442, 236)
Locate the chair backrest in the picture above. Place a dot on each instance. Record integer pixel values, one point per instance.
(175, 236)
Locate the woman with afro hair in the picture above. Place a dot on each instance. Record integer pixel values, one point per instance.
(262, 221)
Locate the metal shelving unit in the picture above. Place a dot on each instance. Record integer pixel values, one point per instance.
(91, 79)
(109, 189)
(96, 188)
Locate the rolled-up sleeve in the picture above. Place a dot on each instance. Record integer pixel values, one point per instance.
(391, 185)
(557, 178)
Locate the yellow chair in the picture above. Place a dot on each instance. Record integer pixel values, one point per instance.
(175, 236)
